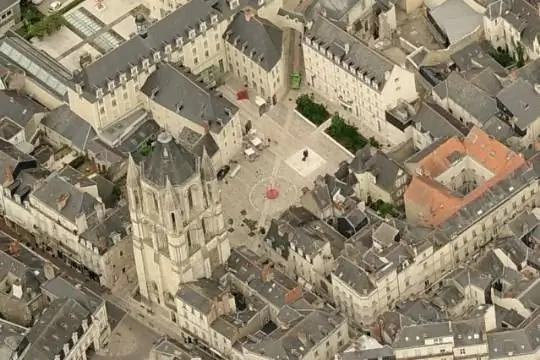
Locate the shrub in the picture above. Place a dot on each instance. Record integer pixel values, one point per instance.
(345, 134)
(314, 112)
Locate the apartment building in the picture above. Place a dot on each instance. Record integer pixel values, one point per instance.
(10, 14)
(509, 25)
(378, 176)
(343, 70)
(145, 71)
(254, 49)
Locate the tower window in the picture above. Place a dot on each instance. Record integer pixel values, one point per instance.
(173, 221)
(210, 195)
(156, 204)
(190, 198)
(188, 237)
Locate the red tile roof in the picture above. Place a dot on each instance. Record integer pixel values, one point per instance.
(438, 202)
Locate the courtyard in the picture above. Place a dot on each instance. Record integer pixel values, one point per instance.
(262, 188)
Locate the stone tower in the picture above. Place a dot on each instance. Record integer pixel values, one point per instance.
(179, 234)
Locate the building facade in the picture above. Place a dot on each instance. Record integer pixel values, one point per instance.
(179, 233)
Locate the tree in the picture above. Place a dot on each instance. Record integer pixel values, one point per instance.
(345, 134)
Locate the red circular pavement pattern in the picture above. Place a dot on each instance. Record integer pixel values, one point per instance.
(271, 193)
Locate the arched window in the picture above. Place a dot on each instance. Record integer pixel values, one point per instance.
(188, 237)
(156, 203)
(173, 221)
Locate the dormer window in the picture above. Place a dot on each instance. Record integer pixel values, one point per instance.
(110, 85)
(192, 33)
(157, 56)
(260, 2)
(146, 64)
(99, 93)
(123, 78)
(179, 42)
(233, 4)
(168, 49)
(134, 71)
(202, 26)
(213, 19)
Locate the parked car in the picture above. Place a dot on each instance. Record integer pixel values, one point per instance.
(223, 171)
(55, 6)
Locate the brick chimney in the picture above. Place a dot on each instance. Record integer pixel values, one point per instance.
(8, 176)
(62, 201)
(206, 126)
(293, 295)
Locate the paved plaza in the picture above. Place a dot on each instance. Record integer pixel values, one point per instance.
(130, 340)
(278, 168)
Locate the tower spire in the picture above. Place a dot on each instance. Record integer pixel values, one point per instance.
(207, 168)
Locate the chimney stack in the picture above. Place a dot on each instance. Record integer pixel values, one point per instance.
(141, 25)
(62, 201)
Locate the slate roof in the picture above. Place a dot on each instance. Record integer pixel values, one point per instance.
(471, 98)
(169, 161)
(56, 187)
(10, 337)
(473, 59)
(19, 108)
(330, 35)
(4, 4)
(101, 235)
(437, 121)
(262, 39)
(385, 170)
(200, 294)
(54, 328)
(522, 101)
(158, 35)
(181, 93)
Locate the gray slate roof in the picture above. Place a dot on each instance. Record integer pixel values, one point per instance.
(353, 276)
(19, 108)
(385, 170)
(181, 93)
(101, 235)
(433, 118)
(10, 337)
(263, 39)
(472, 99)
(416, 335)
(169, 160)
(360, 56)
(54, 328)
(4, 4)
(473, 59)
(166, 31)
(521, 100)
(78, 202)
(200, 294)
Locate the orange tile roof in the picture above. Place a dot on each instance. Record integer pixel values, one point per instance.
(438, 202)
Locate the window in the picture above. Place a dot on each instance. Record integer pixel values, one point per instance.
(196, 61)
(462, 351)
(114, 103)
(173, 221)
(156, 203)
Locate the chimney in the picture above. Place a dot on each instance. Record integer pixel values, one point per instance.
(100, 211)
(179, 107)
(267, 273)
(62, 201)
(141, 25)
(8, 176)
(17, 290)
(248, 14)
(293, 295)
(206, 126)
(347, 48)
(48, 271)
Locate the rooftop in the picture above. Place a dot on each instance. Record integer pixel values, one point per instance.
(457, 19)
(350, 50)
(440, 201)
(182, 93)
(257, 38)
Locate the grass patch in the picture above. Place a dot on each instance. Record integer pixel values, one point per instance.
(502, 56)
(146, 148)
(314, 112)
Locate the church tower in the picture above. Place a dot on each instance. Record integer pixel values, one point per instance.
(179, 233)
